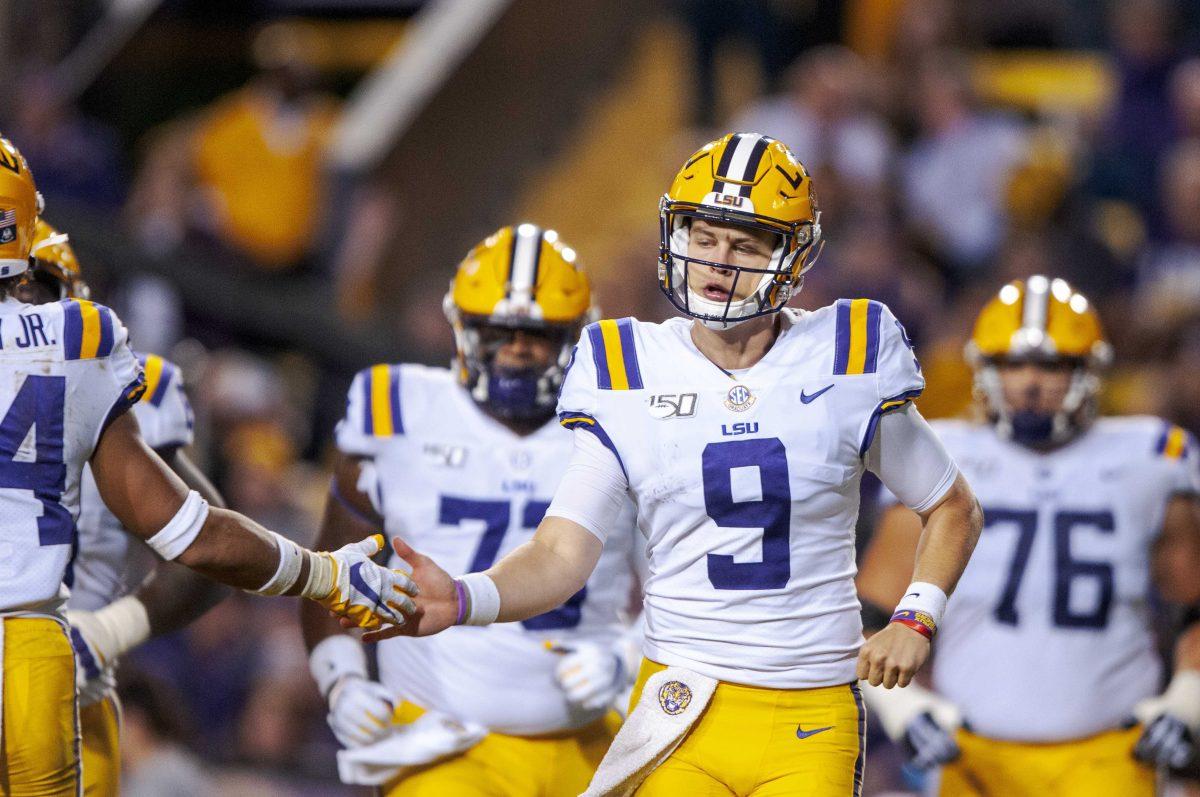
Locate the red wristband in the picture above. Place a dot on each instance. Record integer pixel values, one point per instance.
(918, 621)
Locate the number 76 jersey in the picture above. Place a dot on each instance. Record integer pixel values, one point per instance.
(1048, 635)
(747, 484)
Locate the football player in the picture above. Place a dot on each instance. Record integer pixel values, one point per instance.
(463, 463)
(1046, 652)
(742, 432)
(69, 378)
(113, 605)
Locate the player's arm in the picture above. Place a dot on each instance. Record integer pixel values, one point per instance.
(170, 598)
(913, 464)
(155, 504)
(537, 576)
(1172, 719)
(885, 569)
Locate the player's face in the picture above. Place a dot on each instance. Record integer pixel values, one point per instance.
(521, 348)
(40, 288)
(1035, 387)
(732, 244)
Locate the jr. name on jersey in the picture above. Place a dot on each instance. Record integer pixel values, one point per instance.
(1046, 653)
(742, 433)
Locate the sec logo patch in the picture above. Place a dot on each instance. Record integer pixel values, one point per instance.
(739, 398)
(674, 697)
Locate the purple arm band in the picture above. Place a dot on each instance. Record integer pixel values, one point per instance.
(461, 592)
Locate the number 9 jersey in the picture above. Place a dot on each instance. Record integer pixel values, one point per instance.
(747, 483)
(68, 371)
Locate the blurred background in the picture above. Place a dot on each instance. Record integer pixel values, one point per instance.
(274, 193)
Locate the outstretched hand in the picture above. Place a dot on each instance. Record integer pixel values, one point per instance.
(436, 601)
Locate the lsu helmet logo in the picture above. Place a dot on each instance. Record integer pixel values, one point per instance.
(674, 697)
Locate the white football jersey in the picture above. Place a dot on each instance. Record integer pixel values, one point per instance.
(465, 490)
(1047, 636)
(67, 371)
(111, 562)
(747, 485)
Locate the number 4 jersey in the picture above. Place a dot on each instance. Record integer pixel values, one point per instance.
(67, 371)
(1048, 635)
(465, 490)
(747, 484)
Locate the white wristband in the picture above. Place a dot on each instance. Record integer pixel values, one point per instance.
(483, 599)
(924, 599)
(291, 556)
(333, 659)
(181, 530)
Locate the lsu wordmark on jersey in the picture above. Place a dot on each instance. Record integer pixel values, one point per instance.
(453, 481)
(747, 483)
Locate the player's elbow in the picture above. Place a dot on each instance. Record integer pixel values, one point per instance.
(960, 511)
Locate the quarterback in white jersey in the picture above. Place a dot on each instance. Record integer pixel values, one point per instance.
(69, 378)
(463, 464)
(113, 606)
(742, 435)
(1047, 647)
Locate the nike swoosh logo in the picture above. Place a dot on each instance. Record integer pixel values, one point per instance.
(808, 399)
(803, 734)
(914, 594)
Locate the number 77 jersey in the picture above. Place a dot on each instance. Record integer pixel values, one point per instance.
(747, 484)
(66, 370)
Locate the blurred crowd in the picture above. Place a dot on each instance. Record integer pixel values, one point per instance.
(954, 146)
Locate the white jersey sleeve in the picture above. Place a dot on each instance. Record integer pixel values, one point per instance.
(593, 489)
(1180, 458)
(579, 397)
(372, 411)
(910, 460)
(164, 413)
(898, 376)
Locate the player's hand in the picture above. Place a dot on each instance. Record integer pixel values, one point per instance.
(892, 656)
(929, 744)
(591, 675)
(360, 711)
(365, 595)
(88, 638)
(436, 598)
(1166, 742)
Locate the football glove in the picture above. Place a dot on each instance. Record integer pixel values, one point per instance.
(360, 711)
(928, 745)
(101, 637)
(1171, 722)
(590, 674)
(349, 584)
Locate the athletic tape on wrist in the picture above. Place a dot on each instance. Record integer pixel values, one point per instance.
(291, 556)
(921, 608)
(483, 599)
(181, 530)
(319, 584)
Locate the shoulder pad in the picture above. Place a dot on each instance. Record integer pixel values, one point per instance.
(88, 330)
(380, 386)
(159, 375)
(615, 354)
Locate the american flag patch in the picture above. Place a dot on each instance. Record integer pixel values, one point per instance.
(8, 225)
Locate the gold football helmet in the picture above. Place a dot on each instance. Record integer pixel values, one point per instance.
(54, 262)
(518, 278)
(20, 204)
(1040, 320)
(751, 180)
